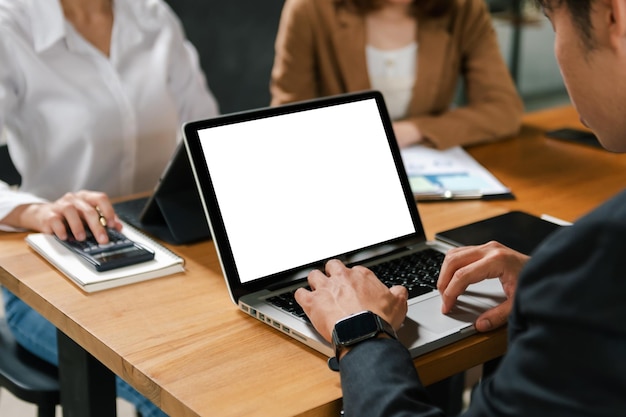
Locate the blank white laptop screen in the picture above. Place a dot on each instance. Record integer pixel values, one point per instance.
(307, 203)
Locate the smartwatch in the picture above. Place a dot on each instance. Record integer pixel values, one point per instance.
(356, 328)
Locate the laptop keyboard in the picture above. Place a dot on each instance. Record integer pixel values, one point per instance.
(418, 272)
(286, 301)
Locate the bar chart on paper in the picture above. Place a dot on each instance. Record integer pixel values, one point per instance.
(449, 174)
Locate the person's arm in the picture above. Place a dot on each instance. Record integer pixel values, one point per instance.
(567, 333)
(10, 199)
(377, 375)
(187, 81)
(294, 75)
(25, 211)
(494, 109)
(378, 378)
(9, 86)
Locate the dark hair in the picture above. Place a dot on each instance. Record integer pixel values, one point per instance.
(580, 10)
(430, 8)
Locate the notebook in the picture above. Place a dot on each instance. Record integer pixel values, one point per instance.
(165, 262)
(287, 188)
(173, 213)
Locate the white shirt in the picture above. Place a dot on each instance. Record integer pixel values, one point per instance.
(78, 119)
(393, 73)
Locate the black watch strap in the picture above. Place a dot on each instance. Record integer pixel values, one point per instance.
(355, 329)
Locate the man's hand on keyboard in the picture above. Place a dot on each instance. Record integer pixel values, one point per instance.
(471, 264)
(343, 291)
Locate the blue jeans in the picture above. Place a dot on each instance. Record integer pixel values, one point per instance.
(39, 336)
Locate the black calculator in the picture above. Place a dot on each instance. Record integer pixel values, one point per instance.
(120, 251)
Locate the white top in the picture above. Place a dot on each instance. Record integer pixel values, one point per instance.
(81, 120)
(393, 73)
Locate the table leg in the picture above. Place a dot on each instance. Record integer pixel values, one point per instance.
(87, 386)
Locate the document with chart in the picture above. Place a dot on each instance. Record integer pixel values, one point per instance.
(449, 174)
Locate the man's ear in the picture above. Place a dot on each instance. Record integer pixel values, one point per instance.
(617, 25)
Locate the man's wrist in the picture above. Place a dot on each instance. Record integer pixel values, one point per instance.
(343, 350)
(356, 329)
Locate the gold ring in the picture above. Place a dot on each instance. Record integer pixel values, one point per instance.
(101, 218)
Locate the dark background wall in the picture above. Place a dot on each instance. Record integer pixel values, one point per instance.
(235, 40)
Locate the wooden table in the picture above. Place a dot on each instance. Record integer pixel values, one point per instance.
(182, 343)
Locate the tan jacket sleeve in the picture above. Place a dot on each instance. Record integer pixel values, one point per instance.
(493, 108)
(293, 73)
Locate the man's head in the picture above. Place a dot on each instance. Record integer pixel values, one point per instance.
(590, 47)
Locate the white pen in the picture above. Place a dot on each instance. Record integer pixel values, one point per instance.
(556, 220)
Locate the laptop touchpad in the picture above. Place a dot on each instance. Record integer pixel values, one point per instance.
(477, 299)
(427, 314)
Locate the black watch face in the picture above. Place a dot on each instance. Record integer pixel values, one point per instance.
(356, 328)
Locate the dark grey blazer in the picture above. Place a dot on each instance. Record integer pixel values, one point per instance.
(567, 337)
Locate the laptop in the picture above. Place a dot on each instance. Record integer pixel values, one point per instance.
(173, 212)
(287, 188)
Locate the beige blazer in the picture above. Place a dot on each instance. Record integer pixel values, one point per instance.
(320, 51)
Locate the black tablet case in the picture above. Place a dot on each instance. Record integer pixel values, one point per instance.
(516, 229)
(174, 212)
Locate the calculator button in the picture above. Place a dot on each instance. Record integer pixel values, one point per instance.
(91, 246)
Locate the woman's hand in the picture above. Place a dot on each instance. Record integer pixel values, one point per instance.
(407, 133)
(74, 211)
